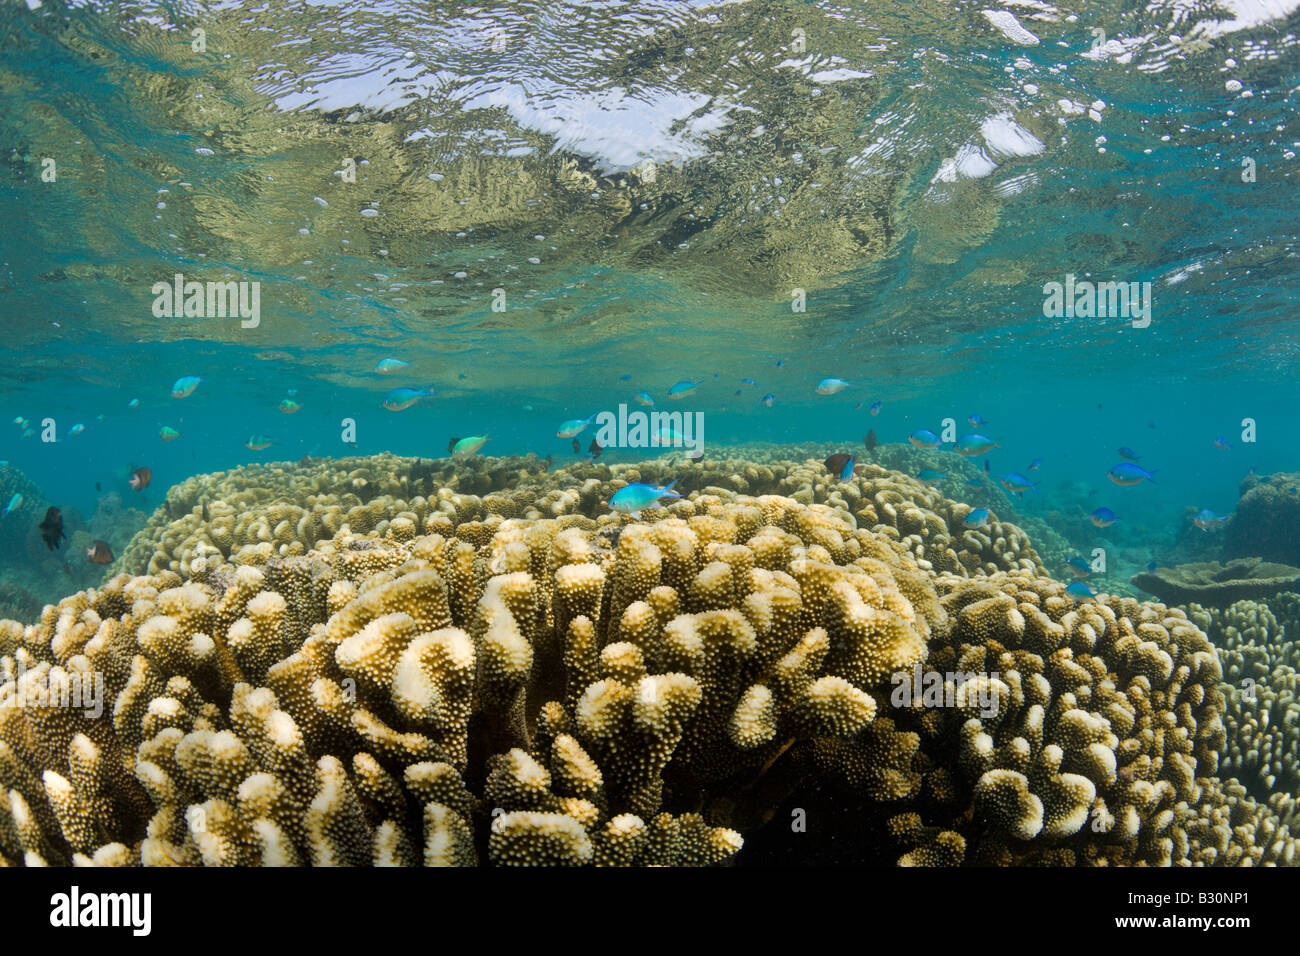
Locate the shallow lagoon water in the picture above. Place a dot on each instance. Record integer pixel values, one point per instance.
(546, 209)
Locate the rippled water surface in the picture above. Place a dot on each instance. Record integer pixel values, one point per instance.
(530, 201)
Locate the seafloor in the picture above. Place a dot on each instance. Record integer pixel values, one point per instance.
(395, 661)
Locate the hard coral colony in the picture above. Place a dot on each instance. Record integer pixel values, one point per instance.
(474, 661)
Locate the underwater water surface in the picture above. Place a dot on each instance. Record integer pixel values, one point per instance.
(536, 211)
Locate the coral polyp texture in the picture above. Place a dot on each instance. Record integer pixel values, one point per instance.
(1261, 664)
(253, 514)
(413, 673)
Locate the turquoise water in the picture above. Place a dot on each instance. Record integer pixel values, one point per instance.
(540, 210)
(919, 173)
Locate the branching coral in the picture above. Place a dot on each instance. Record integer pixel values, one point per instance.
(468, 681)
(258, 513)
(567, 705)
(1261, 672)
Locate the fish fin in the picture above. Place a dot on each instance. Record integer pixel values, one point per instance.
(671, 483)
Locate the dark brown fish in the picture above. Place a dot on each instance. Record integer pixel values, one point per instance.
(835, 464)
(99, 553)
(546, 464)
(577, 447)
(594, 449)
(97, 487)
(52, 528)
(871, 441)
(206, 515)
(140, 478)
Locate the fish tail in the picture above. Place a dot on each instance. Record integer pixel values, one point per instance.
(671, 483)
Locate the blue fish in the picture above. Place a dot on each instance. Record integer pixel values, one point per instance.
(1013, 481)
(767, 399)
(841, 465)
(625, 377)
(1129, 454)
(1033, 465)
(1126, 473)
(829, 386)
(14, 502)
(979, 518)
(875, 408)
(643, 398)
(403, 398)
(1079, 566)
(1207, 520)
(972, 445)
(682, 389)
(924, 438)
(630, 499)
(1103, 517)
(184, 386)
(1080, 591)
(748, 381)
(976, 421)
(1221, 442)
(780, 363)
(574, 425)
(929, 474)
(975, 483)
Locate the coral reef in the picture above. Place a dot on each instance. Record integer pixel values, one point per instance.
(537, 697)
(259, 512)
(32, 575)
(1193, 544)
(1212, 583)
(1266, 523)
(1105, 736)
(17, 603)
(496, 676)
(1261, 673)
